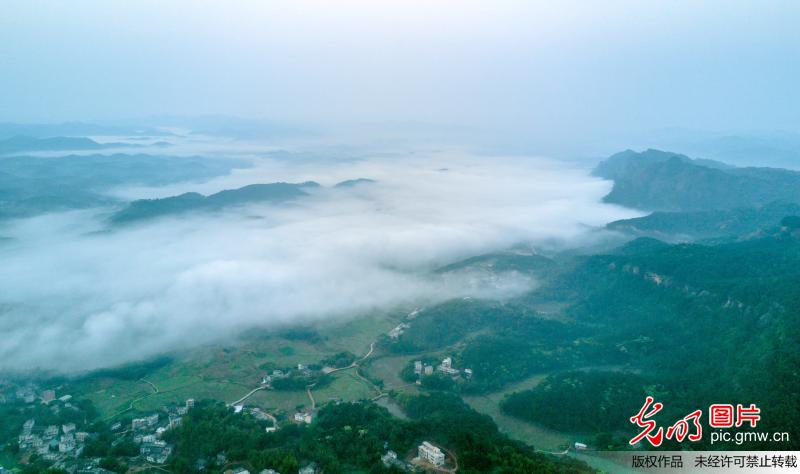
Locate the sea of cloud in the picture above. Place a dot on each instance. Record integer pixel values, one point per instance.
(75, 295)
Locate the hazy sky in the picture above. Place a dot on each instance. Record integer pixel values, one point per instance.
(526, 67)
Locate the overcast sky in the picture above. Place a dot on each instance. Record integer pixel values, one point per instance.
(550, 68)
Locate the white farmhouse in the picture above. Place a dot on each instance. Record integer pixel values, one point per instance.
(431, 453)
(302, 417)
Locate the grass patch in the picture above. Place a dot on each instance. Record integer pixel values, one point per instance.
(357, 334)
(227, 372)
(387, 368)
(530, 433)
(345, 386)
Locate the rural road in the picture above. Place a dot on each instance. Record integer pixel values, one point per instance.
(246, 396)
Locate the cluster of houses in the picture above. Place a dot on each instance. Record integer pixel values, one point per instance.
(148, 430)
(427, 453)
(278, 374)
(53, 442)
(446, 368)
(398, 330)
(63, 444)
(31, 394)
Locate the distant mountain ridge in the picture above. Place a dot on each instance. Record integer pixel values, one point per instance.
(24, 143)
(32, 185)
(656, 180)
(76, 129)
(349, 183)
(696, 199)
(144, 209)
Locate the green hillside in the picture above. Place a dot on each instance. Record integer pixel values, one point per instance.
(662, 181)
(152, 208)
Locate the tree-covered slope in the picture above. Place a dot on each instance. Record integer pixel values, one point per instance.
(731, 224)
(661, 181)
(352, 437)
(31, 185)
(712, 324)
(151, 208)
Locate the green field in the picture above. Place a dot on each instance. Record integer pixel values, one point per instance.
(228, 372)
(387, 368)
(346, 386)
(538, 436)
(356, 335)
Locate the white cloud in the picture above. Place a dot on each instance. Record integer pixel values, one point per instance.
(76, 299)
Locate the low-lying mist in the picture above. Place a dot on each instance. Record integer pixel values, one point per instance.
(76, 294)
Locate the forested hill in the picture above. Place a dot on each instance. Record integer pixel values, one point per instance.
(151, 208)
(23, 143)
(662, 181)
(33, 185)
(352, 437)
(709, 323)
(741, 223)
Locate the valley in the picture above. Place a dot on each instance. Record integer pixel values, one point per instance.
(583, 346)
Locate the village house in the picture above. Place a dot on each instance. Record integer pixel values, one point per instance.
(48, 396)
(446, 367)
(431, 453)
(398, 330)
(144, 423)
(67, 443)
(390, 459)
(156, 452)
(28, 426)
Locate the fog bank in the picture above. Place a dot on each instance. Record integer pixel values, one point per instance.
(76, 296)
